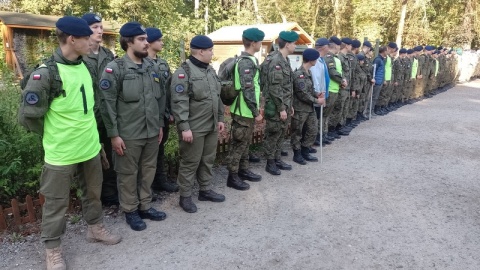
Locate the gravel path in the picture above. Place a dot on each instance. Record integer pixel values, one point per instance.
(401, 192)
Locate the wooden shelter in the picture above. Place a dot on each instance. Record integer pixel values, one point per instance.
(228, 41)
(16, 27)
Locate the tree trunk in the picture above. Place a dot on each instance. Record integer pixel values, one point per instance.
(284, 18)
(255, 10)
(314, 21)
(206, 20)
(401, 23)
(468, 25)
(337, 16)
(197, 6)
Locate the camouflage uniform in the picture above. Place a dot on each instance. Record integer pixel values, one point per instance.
(367, 68)
(352, 105)
(398, 71)
(387, 87)
(328, 116)
(359, 83)
(341, 106)
(304, 98)
(419, 83)
(278, 97)
(407, 78)
(242, 127)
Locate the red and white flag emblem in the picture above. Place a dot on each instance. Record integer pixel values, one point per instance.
(181, 76)
(37, 76)
(109, 70)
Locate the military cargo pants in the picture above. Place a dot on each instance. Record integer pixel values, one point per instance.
(418, 92)
(327, 111)
(336, 117)
(241, 137)
(299, 121)
(385, 94)
(135, 172)
(55, 187)
(346, 108)
(109, 185)
(274, 135)
(196, 161)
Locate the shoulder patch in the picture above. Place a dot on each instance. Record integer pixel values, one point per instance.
(32, 98)
(105, 84)
(278, 67)
(331, 64)
(301, 85)
(108, 70)
(181, 76)
(165, 74)
(179, 88)
(301, 76)
(36, 76)
(247, 71)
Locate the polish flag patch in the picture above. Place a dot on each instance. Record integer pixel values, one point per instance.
(181, 76)
(301, 76)
(109, 70)
(37, 76)
(247, 71)
(278, 67)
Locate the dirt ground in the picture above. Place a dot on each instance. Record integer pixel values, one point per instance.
(401, 192)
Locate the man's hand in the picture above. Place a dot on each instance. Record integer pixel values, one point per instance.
(283, 115)
(396, 84)
(344, 83)
(354, 94)
(160, 136)
(103, 158)
(385, 83)
(118, 145)
(372, 81)
(321, 100)
(259, 118)
(171, 120)
(419, 76)
(187, 136)
(221, 126)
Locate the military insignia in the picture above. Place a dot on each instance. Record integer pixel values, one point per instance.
(331, 64)
(165, 74)
(181, 76)
(179, 88)
(97, 18)
(301, 76)
(278, 67)
(37, 76)
(143, 28)
(247, 71)
(248, 84)
(109, 70)
(301, 85)
(32, 98)
(105, 84)
(155, 77)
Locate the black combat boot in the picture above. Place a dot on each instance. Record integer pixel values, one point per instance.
(282, 165)
(187, 204)
(235, 182)
(253, 158)
(272, 168)
(306, 155)
(246, 174)
(135, 222)
(317, 140)
(284, 153)
(312, 150)
(297, 157)
(210, 195)
(152, 214)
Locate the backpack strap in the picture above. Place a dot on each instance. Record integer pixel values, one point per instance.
(56, 84)
(186, 67)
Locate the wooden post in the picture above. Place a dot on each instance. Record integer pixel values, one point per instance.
(30, 209)
(3, 222)
(16, 213)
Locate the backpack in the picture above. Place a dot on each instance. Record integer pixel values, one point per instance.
(226, 73)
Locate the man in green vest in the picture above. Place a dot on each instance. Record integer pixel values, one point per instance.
(155, 41)
(388, 86)
(70, 138)
(133, 108)
(337, 82)
(278, 92)
(99, 57)
(304, 99)
(198, 112)
(343, 101)
(245, 111)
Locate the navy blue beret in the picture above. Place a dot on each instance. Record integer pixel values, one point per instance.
(153, 34)
(336, 40)
(440, 48)
(368, 44)
(201, 42)
(392, 45)
(91, 18)
(289, 36)
(346, 40)
(74, 26)
(403, 50)
(132, 29)
(360, 57)
(356, 43)
(429, 48)
(321, 42)
(253, 34)
(310, 55)
(418, 48)
(410, 51)
(436, 52)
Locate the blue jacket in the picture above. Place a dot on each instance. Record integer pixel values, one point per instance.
(380, 70)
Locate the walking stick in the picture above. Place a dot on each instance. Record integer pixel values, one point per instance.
(321, 134)
(371, 94)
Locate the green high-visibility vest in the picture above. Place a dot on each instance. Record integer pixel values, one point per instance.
(436, 67)
(414, 68)
(243, 109)
(334, 86)
(388, 69)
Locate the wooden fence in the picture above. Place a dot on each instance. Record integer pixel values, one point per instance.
(21, 213)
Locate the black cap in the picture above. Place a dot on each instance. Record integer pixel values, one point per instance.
(201, 42)
(74, 26)
(368, 44)
(346, 40)
(91, 18)
(336, 40)
(132, 29)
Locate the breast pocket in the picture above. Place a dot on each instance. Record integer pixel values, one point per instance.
(200, 88)
(157, 91)
(131, 85)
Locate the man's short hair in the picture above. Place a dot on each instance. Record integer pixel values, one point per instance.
(282, 43)
(61, 36)
(246, 42)
(124, 42)
(382, 49)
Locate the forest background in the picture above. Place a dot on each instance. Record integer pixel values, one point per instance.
(451, 23)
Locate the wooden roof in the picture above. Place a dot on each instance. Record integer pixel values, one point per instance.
(43, 22)
(233, 34)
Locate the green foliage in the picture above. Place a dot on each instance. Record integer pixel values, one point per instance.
(21, 153)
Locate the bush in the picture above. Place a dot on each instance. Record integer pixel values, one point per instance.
(21, 153)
